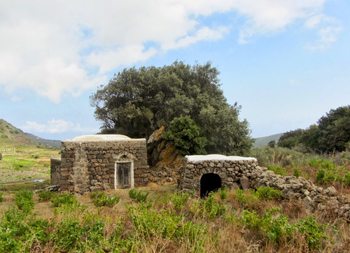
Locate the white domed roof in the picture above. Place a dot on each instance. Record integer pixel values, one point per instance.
(217, 157)
(100, 137)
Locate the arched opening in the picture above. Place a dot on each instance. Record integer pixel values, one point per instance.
(209, 182)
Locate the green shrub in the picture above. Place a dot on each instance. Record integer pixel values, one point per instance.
(24, 200)
(13, 230)
(212, 208)
(320, 176)
(63, 199)
(39, 231)
(223, 192)
(313, 232)
(272, 225)
(68, 235)
(102, 199)
(18, 235)
(186, 136)
(277, 169)
(150, 223)
(322, 164)
(347, 179)
(296, 172)
(137, 195)
(45, 196)
(179, 200)
(268, 193)
(245, 198)
(1, 197)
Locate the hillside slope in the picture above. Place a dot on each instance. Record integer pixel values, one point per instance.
(12, 136)
(263, 141)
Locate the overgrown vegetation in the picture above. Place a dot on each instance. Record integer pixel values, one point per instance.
(100, 198)
(138, 195)
(169, 222)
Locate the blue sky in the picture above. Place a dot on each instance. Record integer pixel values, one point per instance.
(286, 62)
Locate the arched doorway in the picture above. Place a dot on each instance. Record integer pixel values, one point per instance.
(209, 182)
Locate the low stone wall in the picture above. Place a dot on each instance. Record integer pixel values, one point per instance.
(314, 197)
(247, 174)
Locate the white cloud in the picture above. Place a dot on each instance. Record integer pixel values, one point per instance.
(55, 48)
(328, 30)
(55, 126)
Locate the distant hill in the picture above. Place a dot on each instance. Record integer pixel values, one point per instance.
(263, 141)
(12, 136)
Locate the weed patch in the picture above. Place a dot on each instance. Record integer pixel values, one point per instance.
(138, 195)
(24, 201)
(63, 199)
(102, 199)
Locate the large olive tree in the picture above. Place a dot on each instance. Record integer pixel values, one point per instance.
(138, 101)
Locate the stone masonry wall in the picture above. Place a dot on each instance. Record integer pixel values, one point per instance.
(232, 173)
(247, 174)
(89, 166)
(55, 171)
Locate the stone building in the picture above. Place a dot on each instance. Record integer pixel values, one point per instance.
(206, 173)
(99, 162)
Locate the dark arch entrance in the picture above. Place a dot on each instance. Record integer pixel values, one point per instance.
(209, 182)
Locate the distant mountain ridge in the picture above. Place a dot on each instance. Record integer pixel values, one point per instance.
(263, 141)
(12, 136)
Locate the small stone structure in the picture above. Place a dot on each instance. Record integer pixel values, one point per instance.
(99, 162)
(209, 173)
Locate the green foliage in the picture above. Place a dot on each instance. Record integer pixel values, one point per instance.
(331, 134)
(313, 232)
(1, 197)
(276, 227)
(329, 172)
(347, 179)
(138, 195)
(138, 101)
(277, 169)
(179, 200)
(71, 235)
(17, 234)
(223, 193)
(271, 144)
(45, 195)
(24, 201)
(186, 136)
(278, 156)
(102, 199)
(268, 193)
(211, 208)
(296, 172)
(245, 198)
(150, 223)
(291, 139)
(272, 225)
(63, 199)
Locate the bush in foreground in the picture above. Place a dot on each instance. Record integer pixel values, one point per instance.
(102, 199)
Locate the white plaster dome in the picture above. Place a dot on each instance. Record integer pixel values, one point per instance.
(100, 137)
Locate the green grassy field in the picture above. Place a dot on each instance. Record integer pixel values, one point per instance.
(25, 163)
(24, 158)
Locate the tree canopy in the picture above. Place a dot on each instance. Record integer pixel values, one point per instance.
(330, 134)
(138, 101)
